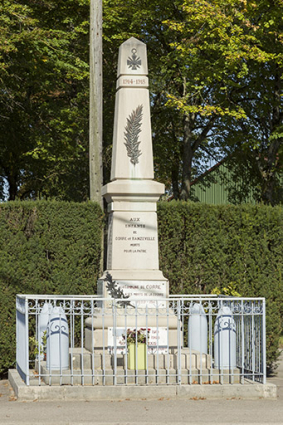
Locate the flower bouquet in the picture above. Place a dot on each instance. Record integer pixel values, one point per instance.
(136, 335)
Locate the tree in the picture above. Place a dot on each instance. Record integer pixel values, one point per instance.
(44, 98)
(231, 62)
(208, 64)
(185, 74)
(215, 75)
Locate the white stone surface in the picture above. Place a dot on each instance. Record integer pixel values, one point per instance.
(139, 275)
(132, 241)
(103, 318)
(132, 195)
(128, 100)
(132, 125)
(132, 81)
(132, 58)
(132, 252)
(133, 188)
(144, 293)
(98, 338)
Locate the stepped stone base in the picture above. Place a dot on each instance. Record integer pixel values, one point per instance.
(250, 390)
(162, 369)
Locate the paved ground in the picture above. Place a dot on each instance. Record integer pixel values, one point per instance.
(163, 411)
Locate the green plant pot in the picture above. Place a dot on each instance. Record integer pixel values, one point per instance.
(137, 361)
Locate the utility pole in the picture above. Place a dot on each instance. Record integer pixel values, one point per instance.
(95, 102)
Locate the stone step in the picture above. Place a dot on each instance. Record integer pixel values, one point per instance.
(142, 377)
(189, 359)
(162, 369)
(123, 377)
(225, 376)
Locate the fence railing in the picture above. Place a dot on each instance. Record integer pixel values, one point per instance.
(185, 339)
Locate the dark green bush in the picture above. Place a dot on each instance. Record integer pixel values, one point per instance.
(206, 246)
(46, 248)
(54, 247)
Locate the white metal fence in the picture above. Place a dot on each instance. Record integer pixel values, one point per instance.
(185, 339)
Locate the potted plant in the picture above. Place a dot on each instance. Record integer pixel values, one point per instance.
(136, 344)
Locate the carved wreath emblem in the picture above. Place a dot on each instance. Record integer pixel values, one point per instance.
(134, 62)
(131, 134)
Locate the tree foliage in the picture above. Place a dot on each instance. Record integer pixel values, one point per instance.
(212, 82)
(44, 98)
(230, 57)
(215, 83)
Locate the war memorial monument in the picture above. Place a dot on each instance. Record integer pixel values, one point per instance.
(133, 339)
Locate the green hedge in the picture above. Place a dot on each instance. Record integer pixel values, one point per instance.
(46, 248)
(54, 247)
(206, 246)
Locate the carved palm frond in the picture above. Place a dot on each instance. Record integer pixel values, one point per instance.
(131, 134)
(114, 291)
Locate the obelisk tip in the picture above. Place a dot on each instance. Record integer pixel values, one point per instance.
(132, 58)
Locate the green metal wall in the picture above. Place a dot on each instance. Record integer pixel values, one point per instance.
(217, 192)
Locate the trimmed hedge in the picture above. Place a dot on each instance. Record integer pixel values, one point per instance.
(205, 246)
(54, 247)
(46, 248)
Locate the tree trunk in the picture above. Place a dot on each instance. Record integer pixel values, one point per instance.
(187, 160)
(13, 189)
(270, 159)
(175, 176)
(268, 171)
(95, 102)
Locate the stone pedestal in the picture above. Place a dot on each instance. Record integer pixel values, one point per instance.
(97, 335)
(132, 271)
(132, 253)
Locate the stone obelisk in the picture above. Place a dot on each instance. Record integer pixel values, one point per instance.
(132, 194)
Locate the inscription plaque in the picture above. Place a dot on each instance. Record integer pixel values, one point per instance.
(157, 337)
(141, 292)
(133, 241)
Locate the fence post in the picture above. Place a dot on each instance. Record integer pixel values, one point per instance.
(27, 340)
(263, 342)
(179, 342)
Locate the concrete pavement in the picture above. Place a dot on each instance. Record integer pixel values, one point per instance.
(163, 411)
